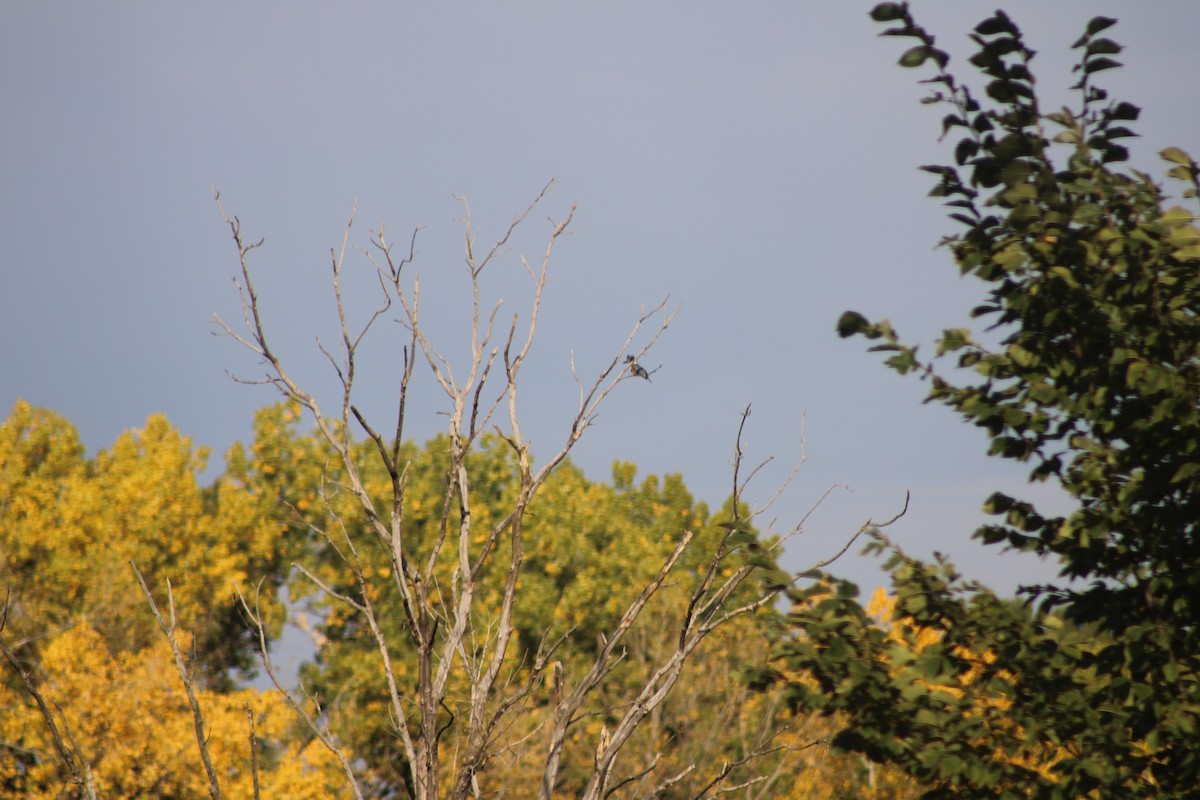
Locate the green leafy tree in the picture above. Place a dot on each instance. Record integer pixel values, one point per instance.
(1090, 685)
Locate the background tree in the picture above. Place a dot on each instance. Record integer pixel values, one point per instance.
(1090, 686)
(118, 702)
(69, 526)
(80, 646)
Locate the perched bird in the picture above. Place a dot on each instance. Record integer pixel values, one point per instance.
(637, 369)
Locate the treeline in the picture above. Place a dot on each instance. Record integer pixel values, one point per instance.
(80, 628)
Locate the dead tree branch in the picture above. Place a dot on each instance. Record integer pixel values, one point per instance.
(77, 767)
(310, 719)
(168, 628)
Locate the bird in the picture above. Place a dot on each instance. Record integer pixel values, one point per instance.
(637, 369)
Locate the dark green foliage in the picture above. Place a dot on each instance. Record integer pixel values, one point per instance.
(1094, 291)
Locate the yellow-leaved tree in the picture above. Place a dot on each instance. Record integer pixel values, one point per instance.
(78, 633)
(127, 717)
(70, 526)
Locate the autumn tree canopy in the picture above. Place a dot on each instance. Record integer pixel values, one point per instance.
(108, 673)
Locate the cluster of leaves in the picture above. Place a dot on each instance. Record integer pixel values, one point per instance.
(1092, 686)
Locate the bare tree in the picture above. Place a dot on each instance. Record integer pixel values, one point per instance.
(446, 629)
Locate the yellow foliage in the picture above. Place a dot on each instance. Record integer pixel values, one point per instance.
(131, 720)
(69, 528)
(915, 639)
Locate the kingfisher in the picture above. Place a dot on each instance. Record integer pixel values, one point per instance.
(637, 369)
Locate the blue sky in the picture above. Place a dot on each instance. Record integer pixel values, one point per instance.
(755, 162)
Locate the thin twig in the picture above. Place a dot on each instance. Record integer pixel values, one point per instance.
(253, 751)
(869, 525)
(309, 719)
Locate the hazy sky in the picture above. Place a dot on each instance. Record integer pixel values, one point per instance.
(757, 162)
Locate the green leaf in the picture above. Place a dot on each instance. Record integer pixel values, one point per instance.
(1114, 153)
(950, 766)
(934, 668)
(1178, 216)
(1065, 275)
(998, 503)
(889, 12)
(951, 121)
(1183, 236)
(846, 590)
(761, 560)
(1103, 47)
(1064, 118)
(1093, 65)
(1118, 132)
(1042, 392)
(1176, 156)
(851, 323)
(1097, 24)
(775, 580)
(738, 538)
(927, 717)
(954, 339)
(997, 24)
(1019, 193)
(914, 56)
(1124, 111)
